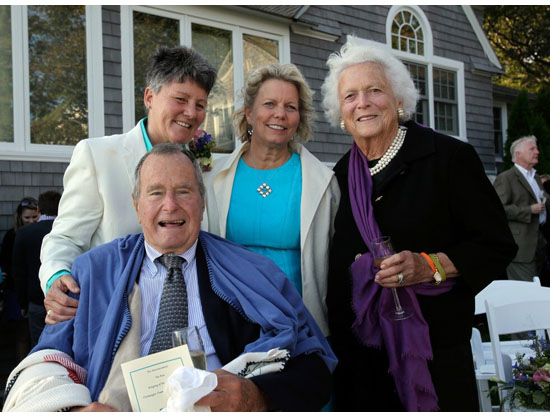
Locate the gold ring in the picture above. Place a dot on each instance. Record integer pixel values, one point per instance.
(400, 278)
(49, 312)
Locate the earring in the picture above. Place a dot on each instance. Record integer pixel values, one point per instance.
(342, 125)
(250, 130)
(400, 113)
(147, 108)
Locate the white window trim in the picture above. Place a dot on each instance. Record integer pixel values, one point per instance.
(423, 20)
(223, 18)
(504, 127)
(430, 61)
(22, 148)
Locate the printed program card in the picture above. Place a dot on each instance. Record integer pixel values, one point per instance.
(146, 377)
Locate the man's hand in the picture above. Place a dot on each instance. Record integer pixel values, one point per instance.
(59, 306)
(235, 394)
(94, 407)
(537, 208)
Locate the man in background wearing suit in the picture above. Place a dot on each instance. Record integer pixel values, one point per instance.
(26, 263)
(239, 300)
(522, 195)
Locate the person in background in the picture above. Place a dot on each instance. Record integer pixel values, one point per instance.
(239, 300)
(526, 205)
(26, 263)
(430, 194)
(26, 213)
(271, 194)
(96, 205)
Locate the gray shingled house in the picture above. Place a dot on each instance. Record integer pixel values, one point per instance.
(71, 72)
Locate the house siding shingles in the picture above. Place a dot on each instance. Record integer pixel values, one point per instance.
(19, 179)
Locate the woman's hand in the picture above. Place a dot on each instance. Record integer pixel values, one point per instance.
(59, 306)
(414, 268)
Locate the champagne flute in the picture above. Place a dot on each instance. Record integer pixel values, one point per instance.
(190, 336)
(382, 248)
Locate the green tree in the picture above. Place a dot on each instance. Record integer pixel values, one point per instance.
(520, 36)
(526, 120)
(519, 124)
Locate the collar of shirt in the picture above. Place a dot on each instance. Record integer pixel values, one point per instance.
(151, 255)
(148, 145)
(527, 173)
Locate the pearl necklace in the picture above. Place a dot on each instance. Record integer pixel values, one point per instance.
(390, 152)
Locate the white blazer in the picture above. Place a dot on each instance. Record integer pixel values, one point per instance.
(319, 203)
(96, 206)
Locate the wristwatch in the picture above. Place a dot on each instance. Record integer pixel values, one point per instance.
(435, 265)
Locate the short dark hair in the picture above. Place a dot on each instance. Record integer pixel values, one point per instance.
(168, 148)
(48, 202)
(179, 64)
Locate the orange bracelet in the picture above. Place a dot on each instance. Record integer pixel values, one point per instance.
(430, 262)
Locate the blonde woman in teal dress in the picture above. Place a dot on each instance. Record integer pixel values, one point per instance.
(271, 194)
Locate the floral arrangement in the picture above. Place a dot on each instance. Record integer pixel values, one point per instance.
(201, 146)
(530, 384)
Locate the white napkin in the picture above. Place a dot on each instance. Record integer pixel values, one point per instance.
(186, 385)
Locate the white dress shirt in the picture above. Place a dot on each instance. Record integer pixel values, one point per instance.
(530, 177)
(151, 282)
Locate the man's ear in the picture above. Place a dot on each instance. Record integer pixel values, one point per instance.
(136, 208)
(202, 209)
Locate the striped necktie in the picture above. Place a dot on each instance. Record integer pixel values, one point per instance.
(173, 304)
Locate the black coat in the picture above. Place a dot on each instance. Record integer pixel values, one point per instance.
(433, 197)
(26, 262)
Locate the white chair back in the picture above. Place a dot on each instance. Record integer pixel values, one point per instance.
(504, 291)
(515, 317)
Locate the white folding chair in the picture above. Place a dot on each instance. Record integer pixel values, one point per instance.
(503, 291)
(515, 317)
(499, 292)
(484, 370)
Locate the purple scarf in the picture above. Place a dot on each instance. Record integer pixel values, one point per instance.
(407, 342)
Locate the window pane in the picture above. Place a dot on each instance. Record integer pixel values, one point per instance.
(215, 45)
(394, 42)
(408, 28)
(150, 32)
(6, 73)
(258, 52)
(57, 74)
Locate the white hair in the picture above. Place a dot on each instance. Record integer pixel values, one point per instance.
(517, 143)
(357, 51)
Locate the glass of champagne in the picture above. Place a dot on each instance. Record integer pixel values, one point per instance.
(190, 336)
(382, 248)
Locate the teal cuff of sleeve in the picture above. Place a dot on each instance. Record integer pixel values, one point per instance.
(54, 278)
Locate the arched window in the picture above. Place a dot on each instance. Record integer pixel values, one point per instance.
(407, 34)
(440, 81)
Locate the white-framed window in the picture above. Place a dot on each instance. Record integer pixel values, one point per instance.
(234, 44)
(51, 67)
(500, 126)
(439, 80)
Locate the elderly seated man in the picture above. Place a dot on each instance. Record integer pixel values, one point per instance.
(240, 301)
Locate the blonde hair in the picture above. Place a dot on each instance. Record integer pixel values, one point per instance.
(285, 72)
